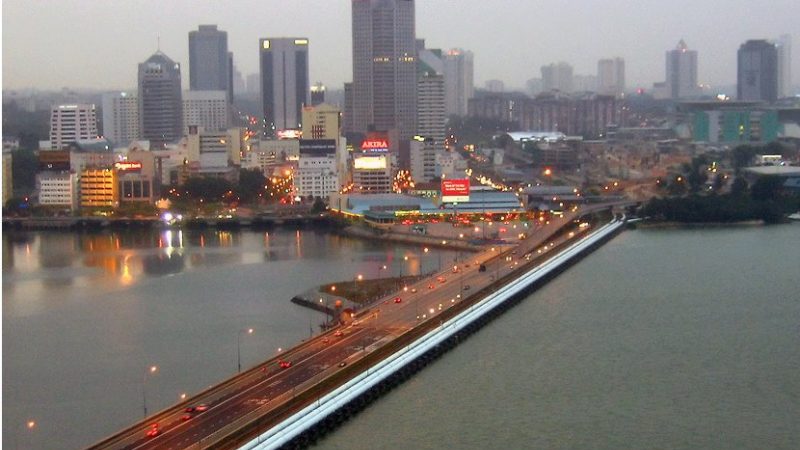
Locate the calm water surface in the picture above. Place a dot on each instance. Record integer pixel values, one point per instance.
(661, 339)
(685, 339)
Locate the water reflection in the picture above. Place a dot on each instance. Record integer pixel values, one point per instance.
(164, 264)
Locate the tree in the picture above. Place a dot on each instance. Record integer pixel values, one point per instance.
(766, 188)
(318, 206)
(24, 166)
(251, 184)
(207, 189)
(742, 156)
(739, 187)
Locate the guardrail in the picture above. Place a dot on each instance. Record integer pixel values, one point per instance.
(309, 416)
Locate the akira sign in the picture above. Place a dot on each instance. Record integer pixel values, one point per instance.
(455, 190)
(375, 145)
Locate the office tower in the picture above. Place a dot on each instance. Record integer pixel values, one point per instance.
(230, 77)
(584, 83)
(784, 45)
(384, 88)
(317, 94)
(239, 85)
(534, 86)
(205, 109)
(322, 121)
(681, 81)
(458, 81)
(284, 82)
(120, 118)
(254, 83)
(160, 106)
(431, 107)
(557, 77)
(757, 74)
(611, 76)
(423, 159)
(70, 123)
(495, 86)
(209, 60)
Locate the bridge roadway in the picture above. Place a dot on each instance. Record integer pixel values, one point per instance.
(269, 389)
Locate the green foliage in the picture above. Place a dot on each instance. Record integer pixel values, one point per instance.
(29, 127)
(318, 206)
(207, 189)
(24, 166)
(743, 155)
(739, 187)
(766, 188)
(251, 183)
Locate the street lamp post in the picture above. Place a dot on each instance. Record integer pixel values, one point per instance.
(149, 371)
(239, 347)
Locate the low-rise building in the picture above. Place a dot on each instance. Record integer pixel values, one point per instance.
(57, 189)
(99, 188)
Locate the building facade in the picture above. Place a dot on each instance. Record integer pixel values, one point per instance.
(316, 174)
(209, 61)
(160, 104)
(423, 159)
(557, 76)
(120, 118)
(57, 189)
(431, 114)
(784, 46)
(284, 82)
(205, 109)
(611, 76)
(99, 188)
(70, 123)
(757, 71)
(459, 82)
(322, 121)
(681, 76)
(384, 67)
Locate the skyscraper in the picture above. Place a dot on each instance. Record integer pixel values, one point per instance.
(757, 74)
(784, 45)
(611, 76)
(120, 118)
(384, 89)
(209, 60)
(284, 82)
(160, 106)
(431, 108)
(557, 77)
(458, 81)
(681, 67)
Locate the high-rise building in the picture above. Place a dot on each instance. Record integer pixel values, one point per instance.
(206, 109)
(384, 88)
(757, 75)
(611, 76)
(458, 81)
(557, 76)
(209, 60)
(253, 86)
(322, 121)
(423, 159)
(316, 174)
(120, 117)
(431, 107)
(160, 105)
(584, 83)
(70, 123)
(496, 86)
(681, 81)
(284, 82)
(784, 45)
(317, 94)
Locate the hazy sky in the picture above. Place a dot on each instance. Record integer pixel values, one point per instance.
(98, 43)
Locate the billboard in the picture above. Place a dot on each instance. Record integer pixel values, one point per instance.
(128, 166)
(370, 163)
(317, 147)
(379, 145)
(455, 190)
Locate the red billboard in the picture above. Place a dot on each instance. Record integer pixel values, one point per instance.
(455, 190)
(375, 145)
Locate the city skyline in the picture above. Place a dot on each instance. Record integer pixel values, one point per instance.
(327, 25)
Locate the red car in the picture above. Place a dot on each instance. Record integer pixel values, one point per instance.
(430, 286)
(153, 430)
(398, 299)
(186, 416)
(285, 364)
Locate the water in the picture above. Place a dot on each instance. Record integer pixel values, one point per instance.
(678, 339)
(85, 315)
(660, 339)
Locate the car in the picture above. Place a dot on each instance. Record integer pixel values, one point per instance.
(325, 340)
(342, 364)
(413, 290)
(338, 333)
(398, 300)
(201, 407)
(186, 416)
(441, 279)
(431, 286)
(285, 364)
(153, 430)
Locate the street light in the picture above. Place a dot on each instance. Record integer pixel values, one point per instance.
(148, 371)
(239, 346)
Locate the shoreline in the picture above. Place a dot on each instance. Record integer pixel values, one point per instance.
(693, 225)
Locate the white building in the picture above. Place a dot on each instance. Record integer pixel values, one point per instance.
(211, 150)
(681, 73)
(784, 45)
(70, 123)
(557, 77)
(458, 81)
(57, 189)
(450, 165)
(205, 109)
(431, 115)
(120, 118)
(316, 174)
(423, 159)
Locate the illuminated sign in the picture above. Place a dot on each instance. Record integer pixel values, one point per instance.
(301, 42)
(455, 190)
(265, 44)
(370, 163)
(128, 166)
(289, 134)
(375, 145)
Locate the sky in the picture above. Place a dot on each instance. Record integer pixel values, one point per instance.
(50, 44)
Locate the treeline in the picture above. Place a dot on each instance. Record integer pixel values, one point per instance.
(718, 209)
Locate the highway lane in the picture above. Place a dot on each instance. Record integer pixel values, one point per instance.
(266, 387)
